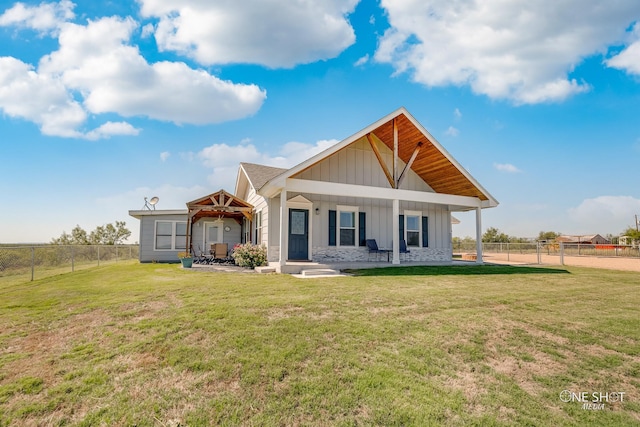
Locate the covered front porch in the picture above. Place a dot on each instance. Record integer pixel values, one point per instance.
(415, 230)
(217, 218)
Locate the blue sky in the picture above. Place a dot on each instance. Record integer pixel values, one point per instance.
(105, 102)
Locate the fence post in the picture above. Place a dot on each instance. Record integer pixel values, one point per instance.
(116, 252)
(98, 255)
(33, 261)
(561, 253)
(538, 252)
(508, 251)
(72, 266)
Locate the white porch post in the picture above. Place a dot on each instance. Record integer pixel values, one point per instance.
(479, 235)
(396, 231)
(284, 228)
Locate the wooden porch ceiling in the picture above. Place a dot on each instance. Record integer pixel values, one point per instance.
(429, 162)
(219, 205)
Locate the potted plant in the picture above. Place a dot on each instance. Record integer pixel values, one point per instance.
(186, 259)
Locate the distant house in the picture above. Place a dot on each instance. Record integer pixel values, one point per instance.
(590, 239)
(391, 181)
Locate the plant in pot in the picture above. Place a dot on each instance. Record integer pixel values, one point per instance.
(186, 259)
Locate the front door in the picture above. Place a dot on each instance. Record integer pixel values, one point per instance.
(212, 234)
(298, 234)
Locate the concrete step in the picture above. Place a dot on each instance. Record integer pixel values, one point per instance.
(319, 272)
(265, 269)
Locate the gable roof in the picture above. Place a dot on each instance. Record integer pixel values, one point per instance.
(259, 175)
(220, 204)
(432, 163)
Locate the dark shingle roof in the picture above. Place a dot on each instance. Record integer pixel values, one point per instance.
(259, 175)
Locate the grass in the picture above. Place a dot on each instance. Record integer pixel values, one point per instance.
(155, 345)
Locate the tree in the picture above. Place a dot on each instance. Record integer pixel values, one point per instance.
(548, 235)
(109, 234)
(632, 232)
(493, 235)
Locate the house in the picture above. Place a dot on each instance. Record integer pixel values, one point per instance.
(391, 181)
(590, 239)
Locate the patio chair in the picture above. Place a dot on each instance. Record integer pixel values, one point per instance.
(403, 247)
(200, 257)
(372, 247)
(220, 251)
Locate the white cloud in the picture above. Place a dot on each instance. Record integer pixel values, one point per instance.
(109, 129)
(604, 214)
(40, 98)
(452, 131)
(164, 156)
(457, 114)
(44, 18)
(147, 31)
(224, 159)
(505, 50)
(96, 62)
(363, 60)
(506, 167)
(268, 32)
(629, 58)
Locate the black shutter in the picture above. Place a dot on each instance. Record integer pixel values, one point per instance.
(425, 231)
(332, 228)
(362, 225)
(401, 222)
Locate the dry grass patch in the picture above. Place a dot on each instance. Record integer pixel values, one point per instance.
(156, 345)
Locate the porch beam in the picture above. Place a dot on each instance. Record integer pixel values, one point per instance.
(351, 190)
(479, 236)
(396, 232)
(374, 147)
(408, 165)
(395, 153)
(284, 228)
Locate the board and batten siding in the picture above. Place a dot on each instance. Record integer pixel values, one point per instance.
(148, 253)
(357, 164)
(379, 218)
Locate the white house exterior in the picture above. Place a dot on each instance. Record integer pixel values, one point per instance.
(391, 181)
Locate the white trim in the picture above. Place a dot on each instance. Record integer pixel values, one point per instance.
(351, 190)
(174, 236)
(355, 210)
(258, 230)
(219, 238)
(408, 213)
(140, 213)
(274, 185)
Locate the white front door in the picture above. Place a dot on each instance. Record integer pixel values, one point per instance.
(212, 234)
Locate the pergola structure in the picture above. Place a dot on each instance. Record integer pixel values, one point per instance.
(218, 205)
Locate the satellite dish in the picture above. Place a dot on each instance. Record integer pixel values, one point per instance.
(149, 203)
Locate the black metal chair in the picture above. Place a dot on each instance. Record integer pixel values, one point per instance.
(201, 257)
(403, 247)
(372, 246)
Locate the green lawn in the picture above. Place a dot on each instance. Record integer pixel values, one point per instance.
(151, 344)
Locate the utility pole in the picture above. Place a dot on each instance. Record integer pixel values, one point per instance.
(636, 222)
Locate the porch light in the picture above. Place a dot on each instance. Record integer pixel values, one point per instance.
(317, 211)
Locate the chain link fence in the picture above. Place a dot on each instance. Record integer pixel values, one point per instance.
(32, 262)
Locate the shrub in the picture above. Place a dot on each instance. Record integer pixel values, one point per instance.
(250, 255)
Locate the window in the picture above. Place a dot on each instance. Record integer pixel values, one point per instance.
(347, 225)
(413, 228)
(171, 235)
(258, 227)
